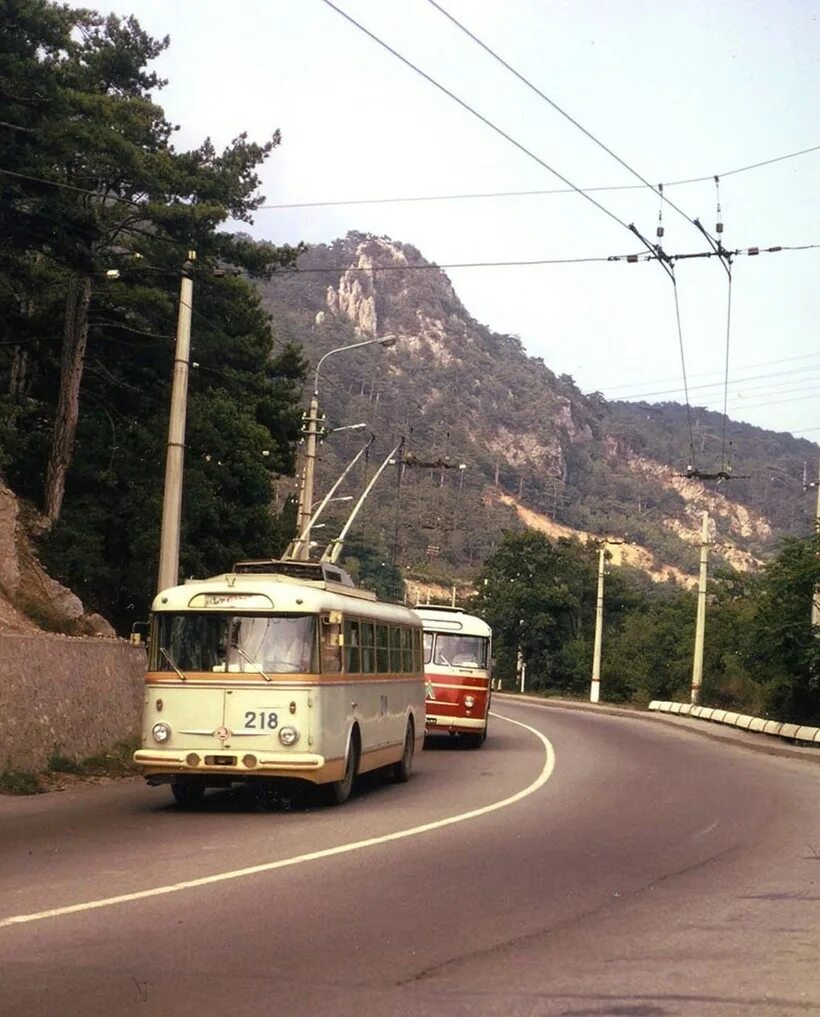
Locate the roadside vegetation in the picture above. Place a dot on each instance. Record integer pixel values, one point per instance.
(64, 770)
(761, 657)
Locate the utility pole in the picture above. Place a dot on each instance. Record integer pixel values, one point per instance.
(595, 687)
(815, 599)
(175, 455)
(308, 470)
(700, 627)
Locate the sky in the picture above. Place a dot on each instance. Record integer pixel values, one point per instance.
(676, 91)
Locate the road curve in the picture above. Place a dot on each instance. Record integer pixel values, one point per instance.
(639, 870)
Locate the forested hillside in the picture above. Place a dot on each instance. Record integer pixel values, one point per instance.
(462, 394)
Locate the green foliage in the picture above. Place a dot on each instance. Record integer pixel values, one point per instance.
(535, 594)
(372, 570)
(119, 196)
(58, 762)
(761, 655)
(20, 782)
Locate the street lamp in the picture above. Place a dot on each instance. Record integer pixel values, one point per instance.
(306, 490)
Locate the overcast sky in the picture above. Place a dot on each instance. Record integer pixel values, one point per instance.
(676, 90)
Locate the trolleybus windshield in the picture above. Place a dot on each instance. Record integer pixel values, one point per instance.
(455, 651)
(235, 643)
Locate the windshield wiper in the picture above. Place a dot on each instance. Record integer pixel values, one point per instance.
(170, 660)
(255, 666)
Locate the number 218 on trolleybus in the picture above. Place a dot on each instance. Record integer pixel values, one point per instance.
(457, 650)
(279, 669)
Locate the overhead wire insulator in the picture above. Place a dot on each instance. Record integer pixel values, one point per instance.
(659, 230)
(718, 213)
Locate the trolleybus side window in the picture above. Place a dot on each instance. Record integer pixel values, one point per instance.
(331, 645)
(368, 637)
(407, 650)
(353, 664)
(395, 648)
(382, 650)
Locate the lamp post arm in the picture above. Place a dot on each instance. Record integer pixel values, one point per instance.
(342, 349)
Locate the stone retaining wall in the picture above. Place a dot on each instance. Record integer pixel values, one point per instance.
(79, 696)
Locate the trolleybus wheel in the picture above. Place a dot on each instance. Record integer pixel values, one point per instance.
(402, 769)
(337, 792)
(188, 791)
(474, 741)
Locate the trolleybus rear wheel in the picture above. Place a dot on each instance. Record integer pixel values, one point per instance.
(402, 769)
(188, 791)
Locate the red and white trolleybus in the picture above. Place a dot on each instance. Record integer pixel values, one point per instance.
(457, 653)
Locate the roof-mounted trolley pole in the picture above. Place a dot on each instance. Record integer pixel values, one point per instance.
(294, 548)
(334, 548)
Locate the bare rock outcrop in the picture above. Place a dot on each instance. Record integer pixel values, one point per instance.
(30, 600)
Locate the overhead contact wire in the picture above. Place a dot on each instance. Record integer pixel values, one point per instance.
(558, 109)
(527, 194)
(474, 112)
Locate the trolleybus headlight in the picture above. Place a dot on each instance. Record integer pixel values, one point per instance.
(469, 702)
(161, 732)
(288, 735)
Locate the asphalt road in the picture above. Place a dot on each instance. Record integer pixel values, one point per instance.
(612, 867)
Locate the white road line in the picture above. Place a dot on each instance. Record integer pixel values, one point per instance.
(341, 849)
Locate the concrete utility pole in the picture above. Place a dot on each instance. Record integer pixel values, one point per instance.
(595, 685)
(308, 470)
(175, 455)
(815, 600)
(700, 627)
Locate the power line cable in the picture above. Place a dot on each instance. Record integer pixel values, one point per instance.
(656, 190)
(637, 396)
(709, 374)
(473, 111)
(530, 193)
(487, 49)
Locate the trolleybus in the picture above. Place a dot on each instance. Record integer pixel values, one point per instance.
(457, 653)
(279, 669)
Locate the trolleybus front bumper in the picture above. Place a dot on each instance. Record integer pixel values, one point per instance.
(441, 722)
(160, 764)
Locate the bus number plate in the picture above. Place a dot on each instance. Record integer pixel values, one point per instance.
(261, 720)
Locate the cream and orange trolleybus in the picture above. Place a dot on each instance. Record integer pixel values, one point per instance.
(457, 653)
(279, 669)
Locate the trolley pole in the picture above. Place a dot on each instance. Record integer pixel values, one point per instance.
(700, 627)
(175, 454)
(595, 687)
(302, 552)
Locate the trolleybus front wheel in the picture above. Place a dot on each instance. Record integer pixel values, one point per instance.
(475, 741)
(187, 791)
(402, 769)
(337, 792)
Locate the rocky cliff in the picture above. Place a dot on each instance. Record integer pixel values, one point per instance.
(532, 445)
